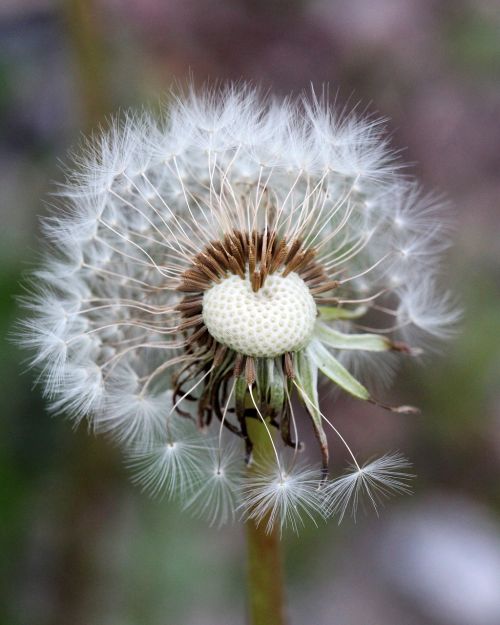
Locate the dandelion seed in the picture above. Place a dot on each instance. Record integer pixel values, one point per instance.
(169, 467)
(370, 483)
(208, 266)
(217, 496)
(132, 417)
(286, 498)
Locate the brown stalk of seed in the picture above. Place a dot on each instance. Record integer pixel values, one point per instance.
(263, 251)
(256, 281)
(190, 322)
(220, 353)
(190, 306)
(269, 253)
(209, 260)
(207, 271)
(263, 276)
(313, 273)
(334, 301)
(288, 365)
(243, 242)
(292, 251)
(300, 259)
(190, 287)
(256, 240)
(328, 286)
(195, 275)
(307, 260)
(238, 365)
(197, 336)
(237, 254)
(238, 243)
(251, 258)
(225, 251)
(272, 240)
(235, 267)
(279, 255)
(217, 255)
(250, 373)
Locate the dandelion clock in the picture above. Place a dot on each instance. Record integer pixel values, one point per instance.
(206, 272)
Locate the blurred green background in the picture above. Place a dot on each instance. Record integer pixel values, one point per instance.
(79, 544)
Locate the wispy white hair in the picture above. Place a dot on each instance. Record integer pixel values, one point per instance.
(146, 197)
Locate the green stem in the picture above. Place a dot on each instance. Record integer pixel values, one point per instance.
(265, 567)
(89, 48)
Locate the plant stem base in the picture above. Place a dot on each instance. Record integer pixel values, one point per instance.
(265, 565)
(265, 576)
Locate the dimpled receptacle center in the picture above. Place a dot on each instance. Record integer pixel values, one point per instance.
(278, 318)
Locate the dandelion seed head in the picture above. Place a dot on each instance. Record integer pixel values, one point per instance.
(207, 267)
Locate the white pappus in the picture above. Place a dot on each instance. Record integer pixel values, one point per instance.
(209, 268)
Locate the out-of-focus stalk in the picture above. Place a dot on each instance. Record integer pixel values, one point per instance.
(88, 47)
(265, 565)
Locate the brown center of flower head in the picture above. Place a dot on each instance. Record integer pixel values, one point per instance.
(272, 275)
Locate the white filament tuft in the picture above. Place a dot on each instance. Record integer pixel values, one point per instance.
(371, 483)
(217, 494)
(169, 467)
(282, 498)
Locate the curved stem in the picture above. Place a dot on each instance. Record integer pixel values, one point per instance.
(265, 566)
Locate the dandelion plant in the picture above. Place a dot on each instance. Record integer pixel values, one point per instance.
(206, 271)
